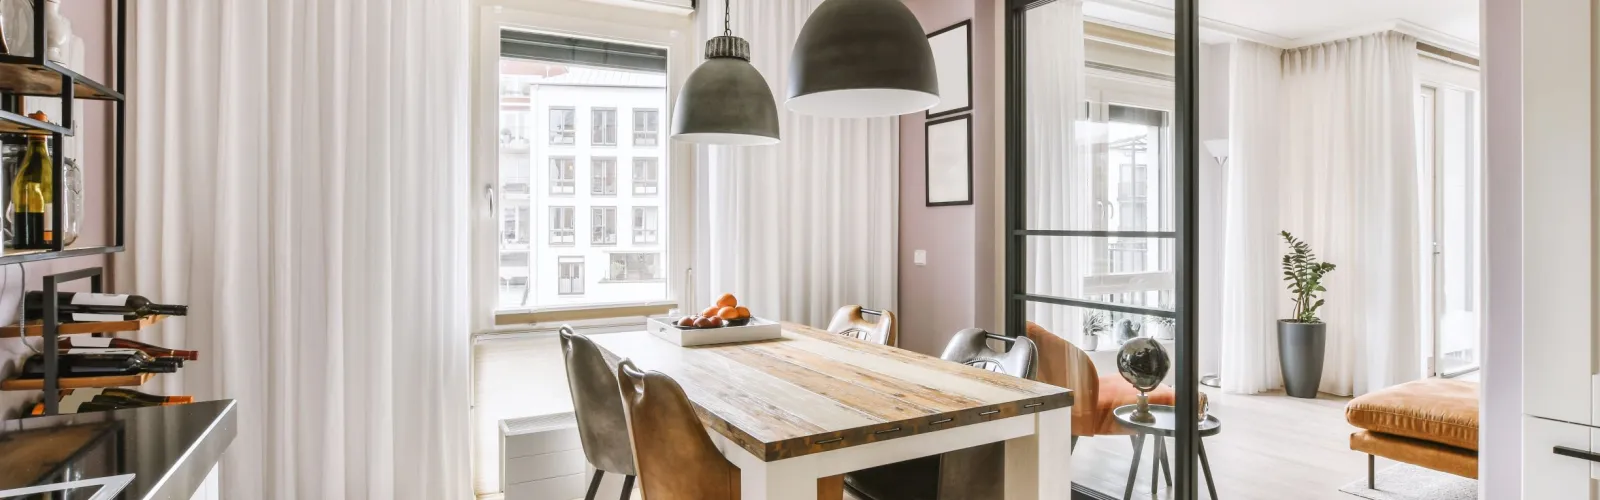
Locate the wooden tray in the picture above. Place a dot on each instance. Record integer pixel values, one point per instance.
(19, 384)
(757, 329)
(36, 328)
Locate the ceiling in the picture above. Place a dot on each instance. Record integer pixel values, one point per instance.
(1294, 22)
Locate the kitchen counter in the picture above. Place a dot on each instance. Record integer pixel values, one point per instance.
(170, 450)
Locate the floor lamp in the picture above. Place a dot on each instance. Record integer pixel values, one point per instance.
(1219, 151)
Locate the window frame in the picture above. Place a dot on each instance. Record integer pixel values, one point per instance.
(638, 224)
(1104, 89)
(636, 183)
(616, 128)
(599, 224)
(654, 133)
(570, 183)
(610, 259)
(571, 134)
(562, 264)
(571, 225)
(662, 28)
(597, 181)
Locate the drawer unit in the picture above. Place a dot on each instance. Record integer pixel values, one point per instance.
(1550, 474)
(541, 458)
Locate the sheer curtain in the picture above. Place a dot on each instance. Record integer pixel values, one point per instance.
(1252, 293)
(798, 229)
(1350, 189)
(1060, 178)
(299, 177)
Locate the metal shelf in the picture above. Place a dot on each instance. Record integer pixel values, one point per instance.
(26, 76)
(12, 123)
(13, 256)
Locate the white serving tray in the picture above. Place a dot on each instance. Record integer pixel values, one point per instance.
(757, 329)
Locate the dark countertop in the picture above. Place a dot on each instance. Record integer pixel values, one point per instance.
(169, 449)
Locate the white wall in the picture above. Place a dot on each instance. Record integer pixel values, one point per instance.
(1500, 448)
(1213, 124)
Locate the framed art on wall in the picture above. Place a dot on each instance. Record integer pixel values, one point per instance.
(952, 58)
(948, 167)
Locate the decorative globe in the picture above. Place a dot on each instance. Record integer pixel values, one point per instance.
(1144, 363)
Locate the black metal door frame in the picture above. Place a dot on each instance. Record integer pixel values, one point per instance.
(1186, 482)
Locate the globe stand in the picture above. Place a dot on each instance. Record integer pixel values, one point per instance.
(1142, 415)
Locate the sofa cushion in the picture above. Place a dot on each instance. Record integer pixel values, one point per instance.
(1435, 410)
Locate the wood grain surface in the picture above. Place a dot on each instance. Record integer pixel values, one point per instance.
(812, 391)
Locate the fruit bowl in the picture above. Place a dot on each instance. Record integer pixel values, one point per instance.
(753, 329)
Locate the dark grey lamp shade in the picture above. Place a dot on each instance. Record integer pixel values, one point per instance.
(862, 58)
(726, 101)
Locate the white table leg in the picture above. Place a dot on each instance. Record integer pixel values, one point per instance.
(1038, 466)
(791, 479)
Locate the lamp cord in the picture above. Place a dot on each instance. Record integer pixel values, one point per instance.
(727, 18)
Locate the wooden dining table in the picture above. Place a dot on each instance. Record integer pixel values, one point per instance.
(812, 405)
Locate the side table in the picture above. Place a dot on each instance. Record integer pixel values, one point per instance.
(1163, 427)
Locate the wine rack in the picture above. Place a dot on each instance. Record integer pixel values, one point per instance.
(37, 76)
(36, 328)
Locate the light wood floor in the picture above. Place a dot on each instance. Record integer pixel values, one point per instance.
(1270, 444)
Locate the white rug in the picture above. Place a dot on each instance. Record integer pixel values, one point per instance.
(1409, 482)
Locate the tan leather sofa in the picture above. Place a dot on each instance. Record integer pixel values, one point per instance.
(1429, 423)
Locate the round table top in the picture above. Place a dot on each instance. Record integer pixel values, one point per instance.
(1166, 421)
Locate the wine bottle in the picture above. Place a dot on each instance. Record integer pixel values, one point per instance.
(141, 355)
(31, 196)
(75, 364)
(82, 342)
(141, 398)
(73, 306)
(96, 405)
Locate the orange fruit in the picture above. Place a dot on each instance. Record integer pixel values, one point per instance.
(728, 313)
(742, 312)
(727, 300)
(711, 311)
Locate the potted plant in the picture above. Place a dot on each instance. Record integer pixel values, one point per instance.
(1303, 338)
(1161, 326)
(1094, 324)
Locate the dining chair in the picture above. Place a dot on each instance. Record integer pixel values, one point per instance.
(602, 424)
(851, 321)
(677, 460)
(976, 473)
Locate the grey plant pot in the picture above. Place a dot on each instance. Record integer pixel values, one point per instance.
(1300, 351)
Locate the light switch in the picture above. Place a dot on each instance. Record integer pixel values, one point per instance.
(919, 257)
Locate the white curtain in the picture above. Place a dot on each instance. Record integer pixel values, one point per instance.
(299, 178)
(1251, 288)
(1060, 187)
(798, 229)
(1350, 190)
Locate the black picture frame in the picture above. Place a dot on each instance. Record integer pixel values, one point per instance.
(927, 161)
(966, 30)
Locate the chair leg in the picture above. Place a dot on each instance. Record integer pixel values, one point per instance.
(594, 486)
(1372, 463)
(627, 487)
(1074, 443)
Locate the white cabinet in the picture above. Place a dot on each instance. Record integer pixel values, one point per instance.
(1549, 476)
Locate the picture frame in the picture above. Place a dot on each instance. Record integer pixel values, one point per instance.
(952, 58)
(947, 165)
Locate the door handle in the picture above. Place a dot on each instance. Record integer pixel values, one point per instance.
(488, 193)
(1576, 453)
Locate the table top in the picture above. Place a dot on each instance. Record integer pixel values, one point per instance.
(811, 391)
(1166, 421)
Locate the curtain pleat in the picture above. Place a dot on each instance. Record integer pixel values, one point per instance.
(299, 177)
(1252, 288)
(1060, 187)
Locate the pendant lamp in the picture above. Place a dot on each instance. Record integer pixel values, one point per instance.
(862, 58)
(726, 101)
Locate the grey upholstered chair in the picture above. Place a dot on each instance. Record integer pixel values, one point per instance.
(597, 402)
(851, 321)
(976, 473)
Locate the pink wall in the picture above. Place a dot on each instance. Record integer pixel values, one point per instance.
(955, 290)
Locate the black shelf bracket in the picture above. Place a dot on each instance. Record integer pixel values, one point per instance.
(52, 328)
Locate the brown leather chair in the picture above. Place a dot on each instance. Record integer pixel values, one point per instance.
(1094, 397)
(976, 473)
(676, 458)
(851, 321)
(602, 426)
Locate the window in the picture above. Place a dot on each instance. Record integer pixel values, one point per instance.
(561, 222)
(563, 126)
(644, 225)
(645, 127)
(569, 276)
(644, 176)
(517, 225)
(634, 267)
(604, 226)
(603, 127)
(563, 175)
(603, 174)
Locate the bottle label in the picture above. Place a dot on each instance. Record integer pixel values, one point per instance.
(91, 317)
(100, 342)
(102, 351)
(100, 299)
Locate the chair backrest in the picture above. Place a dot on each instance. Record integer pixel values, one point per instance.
(1062, 364)
(598, 406)
(677, 460)
(971, 347)
(850, 321)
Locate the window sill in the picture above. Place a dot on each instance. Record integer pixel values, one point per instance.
(607, 281)
(555, 315)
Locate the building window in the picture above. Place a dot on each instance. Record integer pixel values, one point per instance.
(516, 225)
(644, 225)
(634, 267)
(563, 175)
(603, 127)
(569, 276)
(646, 127)
(645, 171)
(604, 225)
(563, 126)
(562, 220)
(603, 174)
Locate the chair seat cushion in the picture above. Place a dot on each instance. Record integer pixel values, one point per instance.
(1435, 410)
(1114, 391)
(1443, 458)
